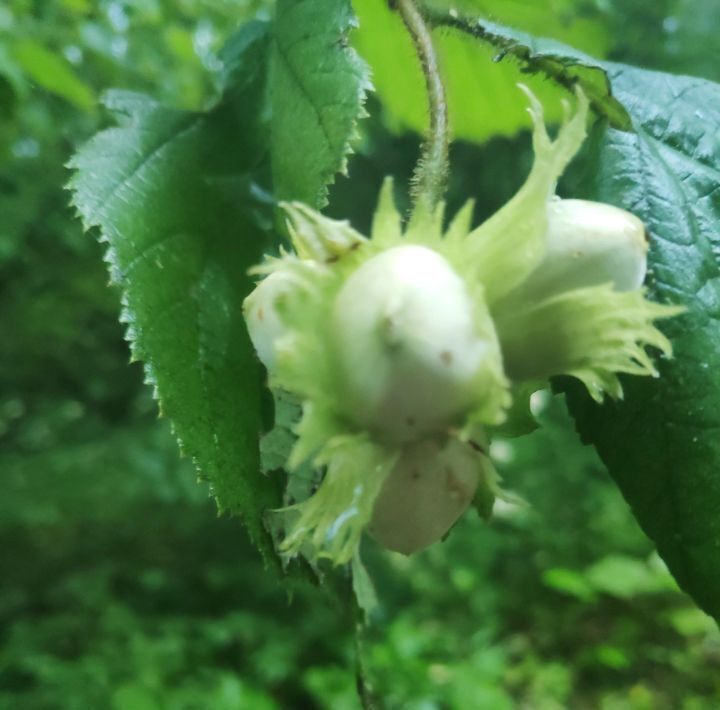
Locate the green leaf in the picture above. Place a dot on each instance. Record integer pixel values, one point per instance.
(275, 446)
(53, 73)
(482, 97)
(570, 582)
(627, 577)
(317, 89)
(363, 588)
(563, 64)
(661, 444)
(171, 193)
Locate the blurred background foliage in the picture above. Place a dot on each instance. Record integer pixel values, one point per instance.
(119, 585)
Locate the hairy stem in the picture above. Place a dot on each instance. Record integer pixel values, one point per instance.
(431, 172)
(560, 72)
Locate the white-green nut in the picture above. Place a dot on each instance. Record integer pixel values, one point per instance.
(429, 488)
(260, 309)
(404, 329)
(588, 244)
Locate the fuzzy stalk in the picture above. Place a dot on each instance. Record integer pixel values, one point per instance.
(431, 171)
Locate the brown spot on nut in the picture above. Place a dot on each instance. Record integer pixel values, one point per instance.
(455, 488)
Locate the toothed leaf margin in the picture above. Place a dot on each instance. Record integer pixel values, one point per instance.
(171, 193)
(317, 90)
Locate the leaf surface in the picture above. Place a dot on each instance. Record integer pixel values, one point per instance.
(317, 89)
(662, 443)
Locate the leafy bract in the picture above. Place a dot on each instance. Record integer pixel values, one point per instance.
(317, 89)
(172, 195)
(661, 444)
